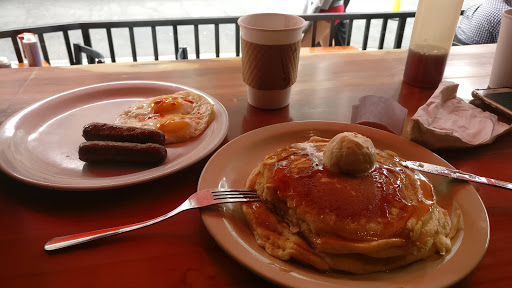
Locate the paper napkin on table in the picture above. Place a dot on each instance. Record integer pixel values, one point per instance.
(446, 121)
(379, 112)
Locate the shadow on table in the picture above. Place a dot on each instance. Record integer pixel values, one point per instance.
(256, 118)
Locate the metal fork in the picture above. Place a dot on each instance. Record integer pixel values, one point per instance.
(199, 199)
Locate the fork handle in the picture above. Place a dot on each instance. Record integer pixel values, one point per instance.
(70, 240)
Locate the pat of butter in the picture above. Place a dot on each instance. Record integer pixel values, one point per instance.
(350, 153)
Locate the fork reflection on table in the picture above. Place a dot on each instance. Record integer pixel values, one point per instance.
(199, 199)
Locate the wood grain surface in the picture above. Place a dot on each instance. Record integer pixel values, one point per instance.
(180, 252)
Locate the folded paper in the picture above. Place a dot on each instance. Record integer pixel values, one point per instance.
(446, 121)
(379, 112)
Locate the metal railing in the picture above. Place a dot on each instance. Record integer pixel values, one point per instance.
(401, 17)
(86, 27)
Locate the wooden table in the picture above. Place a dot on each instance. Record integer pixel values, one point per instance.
(181, 253)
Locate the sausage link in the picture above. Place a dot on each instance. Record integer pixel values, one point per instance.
(96, 131)
(108, 151)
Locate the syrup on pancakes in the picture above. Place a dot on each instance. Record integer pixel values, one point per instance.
(370, 207)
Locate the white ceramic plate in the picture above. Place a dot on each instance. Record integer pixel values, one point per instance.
(231, 165)
(39, 145)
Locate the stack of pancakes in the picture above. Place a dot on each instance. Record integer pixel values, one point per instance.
(384, 219)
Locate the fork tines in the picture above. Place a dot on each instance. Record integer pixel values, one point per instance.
(235, 194)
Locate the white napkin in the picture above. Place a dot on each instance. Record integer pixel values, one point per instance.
(446, 121)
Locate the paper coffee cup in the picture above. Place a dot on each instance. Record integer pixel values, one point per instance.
(270, 57)
(501, 73)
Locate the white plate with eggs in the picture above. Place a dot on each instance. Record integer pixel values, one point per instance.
(39, 145)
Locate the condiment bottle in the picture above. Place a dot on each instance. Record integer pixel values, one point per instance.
(22, 47)
(431, 40)
(33, 51)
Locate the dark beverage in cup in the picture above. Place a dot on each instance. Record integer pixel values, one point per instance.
(431, 39)
(425, 66)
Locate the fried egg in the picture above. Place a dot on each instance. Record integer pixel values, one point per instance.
(180, 116)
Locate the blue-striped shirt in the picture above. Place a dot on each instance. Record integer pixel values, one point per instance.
(481, 22)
